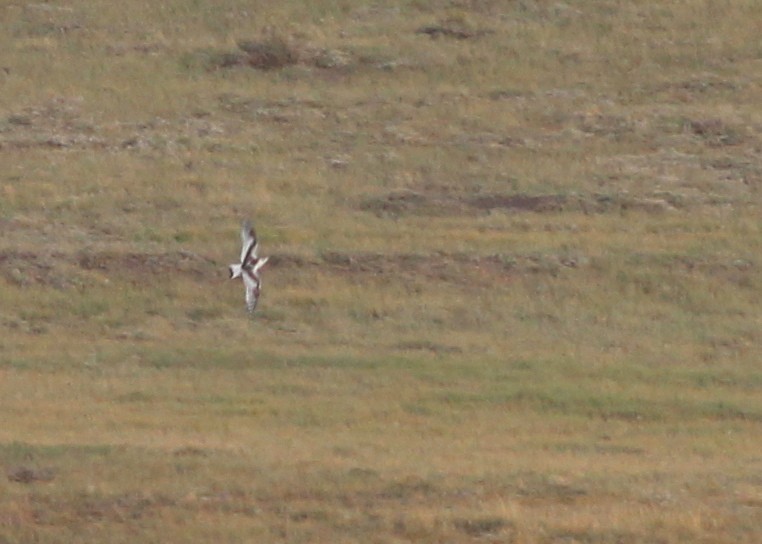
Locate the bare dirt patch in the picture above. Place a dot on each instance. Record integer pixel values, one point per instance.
(400, 203)
(146, 264)
(521, 202)
(448, 267)
(71, 270)
(484, 527)
(452, 29)
(29, 475)
(272, 51)
(717, 132)
(64, 270)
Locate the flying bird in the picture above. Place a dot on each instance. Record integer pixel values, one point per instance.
(250, 266)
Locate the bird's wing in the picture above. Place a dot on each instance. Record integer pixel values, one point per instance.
(248, 242)
(252, 290)
(259, 264)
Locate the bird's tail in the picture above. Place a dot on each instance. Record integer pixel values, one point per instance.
(235, 270)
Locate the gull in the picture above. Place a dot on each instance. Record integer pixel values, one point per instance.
(250, 265)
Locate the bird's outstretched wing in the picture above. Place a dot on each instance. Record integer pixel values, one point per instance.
(252, 284)
(257, 264)
(248, 242)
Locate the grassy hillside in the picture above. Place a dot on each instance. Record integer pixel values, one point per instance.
(514, 294)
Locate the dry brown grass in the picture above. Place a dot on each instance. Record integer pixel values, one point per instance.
(514, 294)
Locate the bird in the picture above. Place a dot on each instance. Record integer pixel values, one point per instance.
(250, 266)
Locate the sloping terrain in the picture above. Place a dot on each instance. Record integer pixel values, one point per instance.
(514, 290)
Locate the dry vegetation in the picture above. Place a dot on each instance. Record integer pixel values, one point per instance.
(515, 293)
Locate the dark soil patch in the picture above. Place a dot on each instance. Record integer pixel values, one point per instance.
(716, 132)
(410, 202)
(519, 202)
(268, 54)
(64, 270)
(482, 527)
(460, 268)
(28, 475)
(289, 260)
(455, 268)
(452, 28)
(436, 31)
(271, 52)
(424, 345)
(142, 264)
(400, 203)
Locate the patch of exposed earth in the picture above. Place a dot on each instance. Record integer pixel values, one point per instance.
(450, 267)
(70, 270)
(398, 203)
(67, 270)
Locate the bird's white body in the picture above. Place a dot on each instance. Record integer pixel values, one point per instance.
(249, 267)
(235, 271)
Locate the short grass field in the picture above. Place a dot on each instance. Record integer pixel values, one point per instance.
(515, 292)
